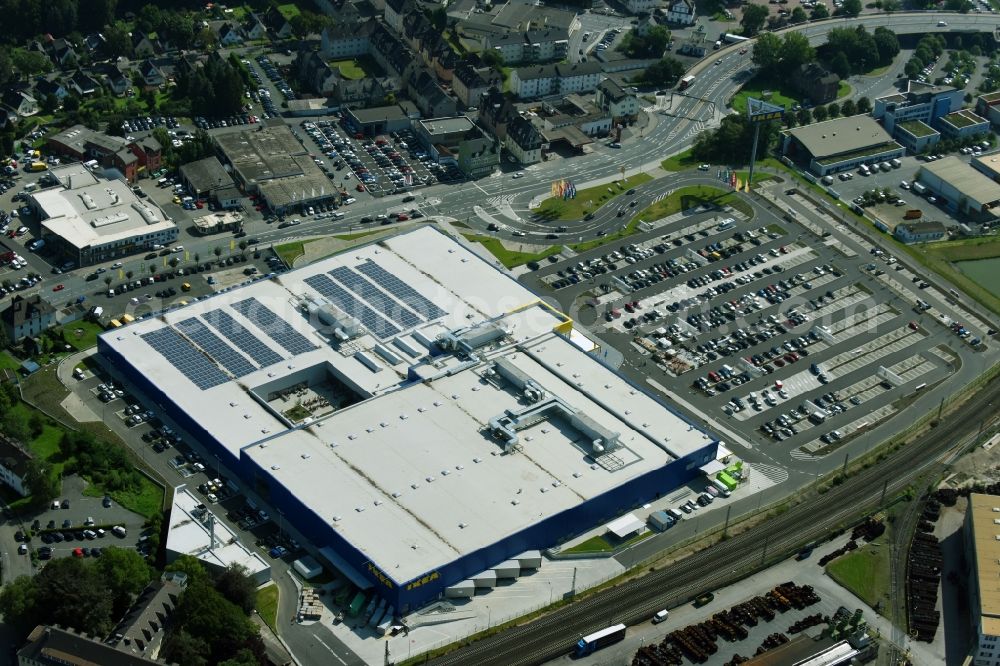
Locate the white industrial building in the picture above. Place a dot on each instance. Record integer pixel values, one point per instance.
(92, 219)
(419, 416)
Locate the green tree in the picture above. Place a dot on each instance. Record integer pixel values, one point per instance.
(796, 51)
(767, 51)
(117, 42)
(840, 66)
(665, 73)
(890, 6)
(15, 424)
(217, 622)
(492, 58)
(833, 110)
(851, 8)
(650, 45)
(236, 585)
(848, 108)
(819, 12)
(819, 113)
(790, 119)
(43, 482)
(183, 648)
(886, 44)
(71, 593)
(864, 105)
(753, 20)
(18, 603)
(438, 17)
(30, 63)
(798, 15)
(125, 574)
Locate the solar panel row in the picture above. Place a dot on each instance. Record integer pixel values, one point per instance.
(212, 345)
(340, 297)
(275, 328)
(404, 292)
(375, 297)
(185, 357)
(236, 333)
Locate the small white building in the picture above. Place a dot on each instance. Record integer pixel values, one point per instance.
(681, 12)
(14, 460)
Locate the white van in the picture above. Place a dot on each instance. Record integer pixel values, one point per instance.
(661, 616)
(675, 514)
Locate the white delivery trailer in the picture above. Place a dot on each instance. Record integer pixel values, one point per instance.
(918, 187)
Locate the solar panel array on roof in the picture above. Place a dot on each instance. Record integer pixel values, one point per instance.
(275, 328)
(211, 344)
(375, 297)
(341, 298)
(224, 322)
(401, 290)
(185, 357)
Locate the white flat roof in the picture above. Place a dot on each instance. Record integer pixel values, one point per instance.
(190, 535)
(87, 211)
(415, 458)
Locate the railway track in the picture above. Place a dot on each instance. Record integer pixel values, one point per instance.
(636, 600)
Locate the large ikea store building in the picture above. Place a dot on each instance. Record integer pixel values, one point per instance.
(412, 410)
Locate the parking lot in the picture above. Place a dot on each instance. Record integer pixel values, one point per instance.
(796, 341)
(386, 164)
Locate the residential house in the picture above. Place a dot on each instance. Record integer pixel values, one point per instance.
(53, 645)
(229, 34)
(816, 83)
(442, 59)
(143, 46)
(681, 12)
(151, 75)
(255, 28)
(621, 104)
(366, 92)
(496, 110)
(312, 72)
(82, 83)
(148, 152)
(395, 11)
(544, 45)
(116, 81)
(391, 54)
(345, 41)
(469, 84)
(276, 23)
(523, 141)
(574, 111)
(20, 102)
(94, 42)
(641, 6)
(422, 87)
(142, 631)
(560, 79)
(45, 87)
(62, 53)
(27, 317)
(14, 459)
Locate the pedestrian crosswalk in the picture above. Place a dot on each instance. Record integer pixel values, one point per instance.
(799, 454)
(772, 472)
(500, 200)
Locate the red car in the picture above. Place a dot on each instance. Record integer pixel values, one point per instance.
(403, 218)
(78, 552)
(360, 187)
(58, 287)
(913, 325)
(199, 205)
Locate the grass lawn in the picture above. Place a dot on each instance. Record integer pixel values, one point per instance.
(355, 236)
(588, 200)
(82, 334)
(8, 362)
(843, 89)
(781, 91)
(601, 543)
(511, 258)
(864, 572)
(679, 162)
(349, 69)
(267, 606)
(289, 11)
(146, 501)
(289, 252)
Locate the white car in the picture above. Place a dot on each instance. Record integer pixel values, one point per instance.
(349, 200)
(704, 167)
(179, 248)
(942, 24)
(117, 264)
(519, 174)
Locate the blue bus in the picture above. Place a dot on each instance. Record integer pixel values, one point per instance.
(599, 639)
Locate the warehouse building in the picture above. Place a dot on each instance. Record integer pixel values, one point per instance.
(90, 220)
(838, 145)
(271, 162)
(961, 188)
(421, 418)
(208, 179)
(982, 541)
